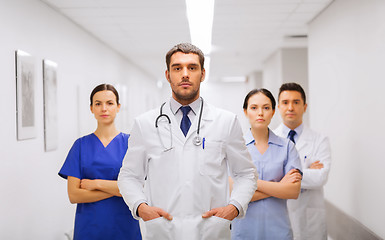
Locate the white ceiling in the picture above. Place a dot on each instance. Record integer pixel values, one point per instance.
(245, 32)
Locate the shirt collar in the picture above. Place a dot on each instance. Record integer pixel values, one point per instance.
(298, 130)
(273, 139)
(175, 105)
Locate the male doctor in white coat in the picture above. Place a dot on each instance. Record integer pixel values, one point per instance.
(307, 213)
(175, 173)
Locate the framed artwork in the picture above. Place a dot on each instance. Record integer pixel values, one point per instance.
(25, 96)
(50, 105)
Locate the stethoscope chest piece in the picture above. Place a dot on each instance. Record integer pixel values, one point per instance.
(197, 140)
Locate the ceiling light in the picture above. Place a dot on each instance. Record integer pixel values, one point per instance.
(200, 14)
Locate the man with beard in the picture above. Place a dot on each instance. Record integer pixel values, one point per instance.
(175, 173)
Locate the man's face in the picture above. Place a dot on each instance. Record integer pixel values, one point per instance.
(185, 76)
(291, 107)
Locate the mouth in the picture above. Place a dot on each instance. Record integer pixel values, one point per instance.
(260, 120)
(185, 84)
(104, 116)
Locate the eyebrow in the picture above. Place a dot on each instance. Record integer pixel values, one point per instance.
(110, 100)
(266, 104)
(190, 64)
(298, 99)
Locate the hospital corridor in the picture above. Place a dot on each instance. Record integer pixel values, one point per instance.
(53, 53)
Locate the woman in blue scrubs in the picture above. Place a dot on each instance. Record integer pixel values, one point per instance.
(92, 167)
(279, 172)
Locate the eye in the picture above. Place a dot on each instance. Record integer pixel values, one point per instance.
(253, 107)
(176, 68)
(97, 104)
(267, 108)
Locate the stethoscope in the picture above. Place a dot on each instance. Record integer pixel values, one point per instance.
(197, 139)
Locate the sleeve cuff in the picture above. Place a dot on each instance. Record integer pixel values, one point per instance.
(238, 207)
(135, 209)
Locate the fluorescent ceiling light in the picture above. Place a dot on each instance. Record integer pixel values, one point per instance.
(200, 14)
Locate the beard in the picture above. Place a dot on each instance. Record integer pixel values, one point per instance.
(186, 97)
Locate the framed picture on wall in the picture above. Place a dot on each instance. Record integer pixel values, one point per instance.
(25, 96)
(50, 105)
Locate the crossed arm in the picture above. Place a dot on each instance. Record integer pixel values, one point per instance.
(86, 190)
(288, 188)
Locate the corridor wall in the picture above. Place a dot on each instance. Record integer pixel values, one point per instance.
(34, 201)
(346, 85)
(287, 64)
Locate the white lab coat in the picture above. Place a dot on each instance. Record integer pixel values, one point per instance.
(187, 180)
(307, 213)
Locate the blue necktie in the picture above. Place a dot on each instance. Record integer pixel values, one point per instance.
(185, 123)
(291, 135)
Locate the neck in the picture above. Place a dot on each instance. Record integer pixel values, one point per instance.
(292, 126)
(106, 130)
(185, 102)
(260, 135)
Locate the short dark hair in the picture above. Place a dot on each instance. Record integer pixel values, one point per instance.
(104, 87)
(292, 87)
(185, 48)
(264, 91)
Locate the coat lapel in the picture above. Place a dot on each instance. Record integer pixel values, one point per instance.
(175, 126)
(303, 139)
(207, 118)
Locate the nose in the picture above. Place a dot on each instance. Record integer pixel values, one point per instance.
(104, 107)
(290, 107)
(185, 74)
(260, 112)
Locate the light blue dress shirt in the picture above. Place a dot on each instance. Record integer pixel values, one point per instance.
(268, 218)
(298, 131)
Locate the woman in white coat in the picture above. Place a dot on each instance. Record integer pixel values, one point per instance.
(307, 213)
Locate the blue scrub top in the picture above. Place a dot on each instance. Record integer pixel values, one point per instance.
(109, 218)
(268, 218)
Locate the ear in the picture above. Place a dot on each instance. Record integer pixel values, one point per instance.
(167, 74)
(278, 106)
(305, 107)
(91, 109)
(245, 112)
(118, 108)
(273, 113)
(203, 75)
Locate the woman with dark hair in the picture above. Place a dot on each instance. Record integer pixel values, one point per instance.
(279, 172)
(92, 167)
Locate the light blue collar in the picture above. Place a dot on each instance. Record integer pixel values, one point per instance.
(175, 105)
(298, 130)
(273, 139)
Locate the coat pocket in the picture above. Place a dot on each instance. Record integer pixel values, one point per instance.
(158, 229)
(211, 158)
(216, 228)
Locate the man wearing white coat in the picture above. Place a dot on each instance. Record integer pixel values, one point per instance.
(175, 173)
(307, 213)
